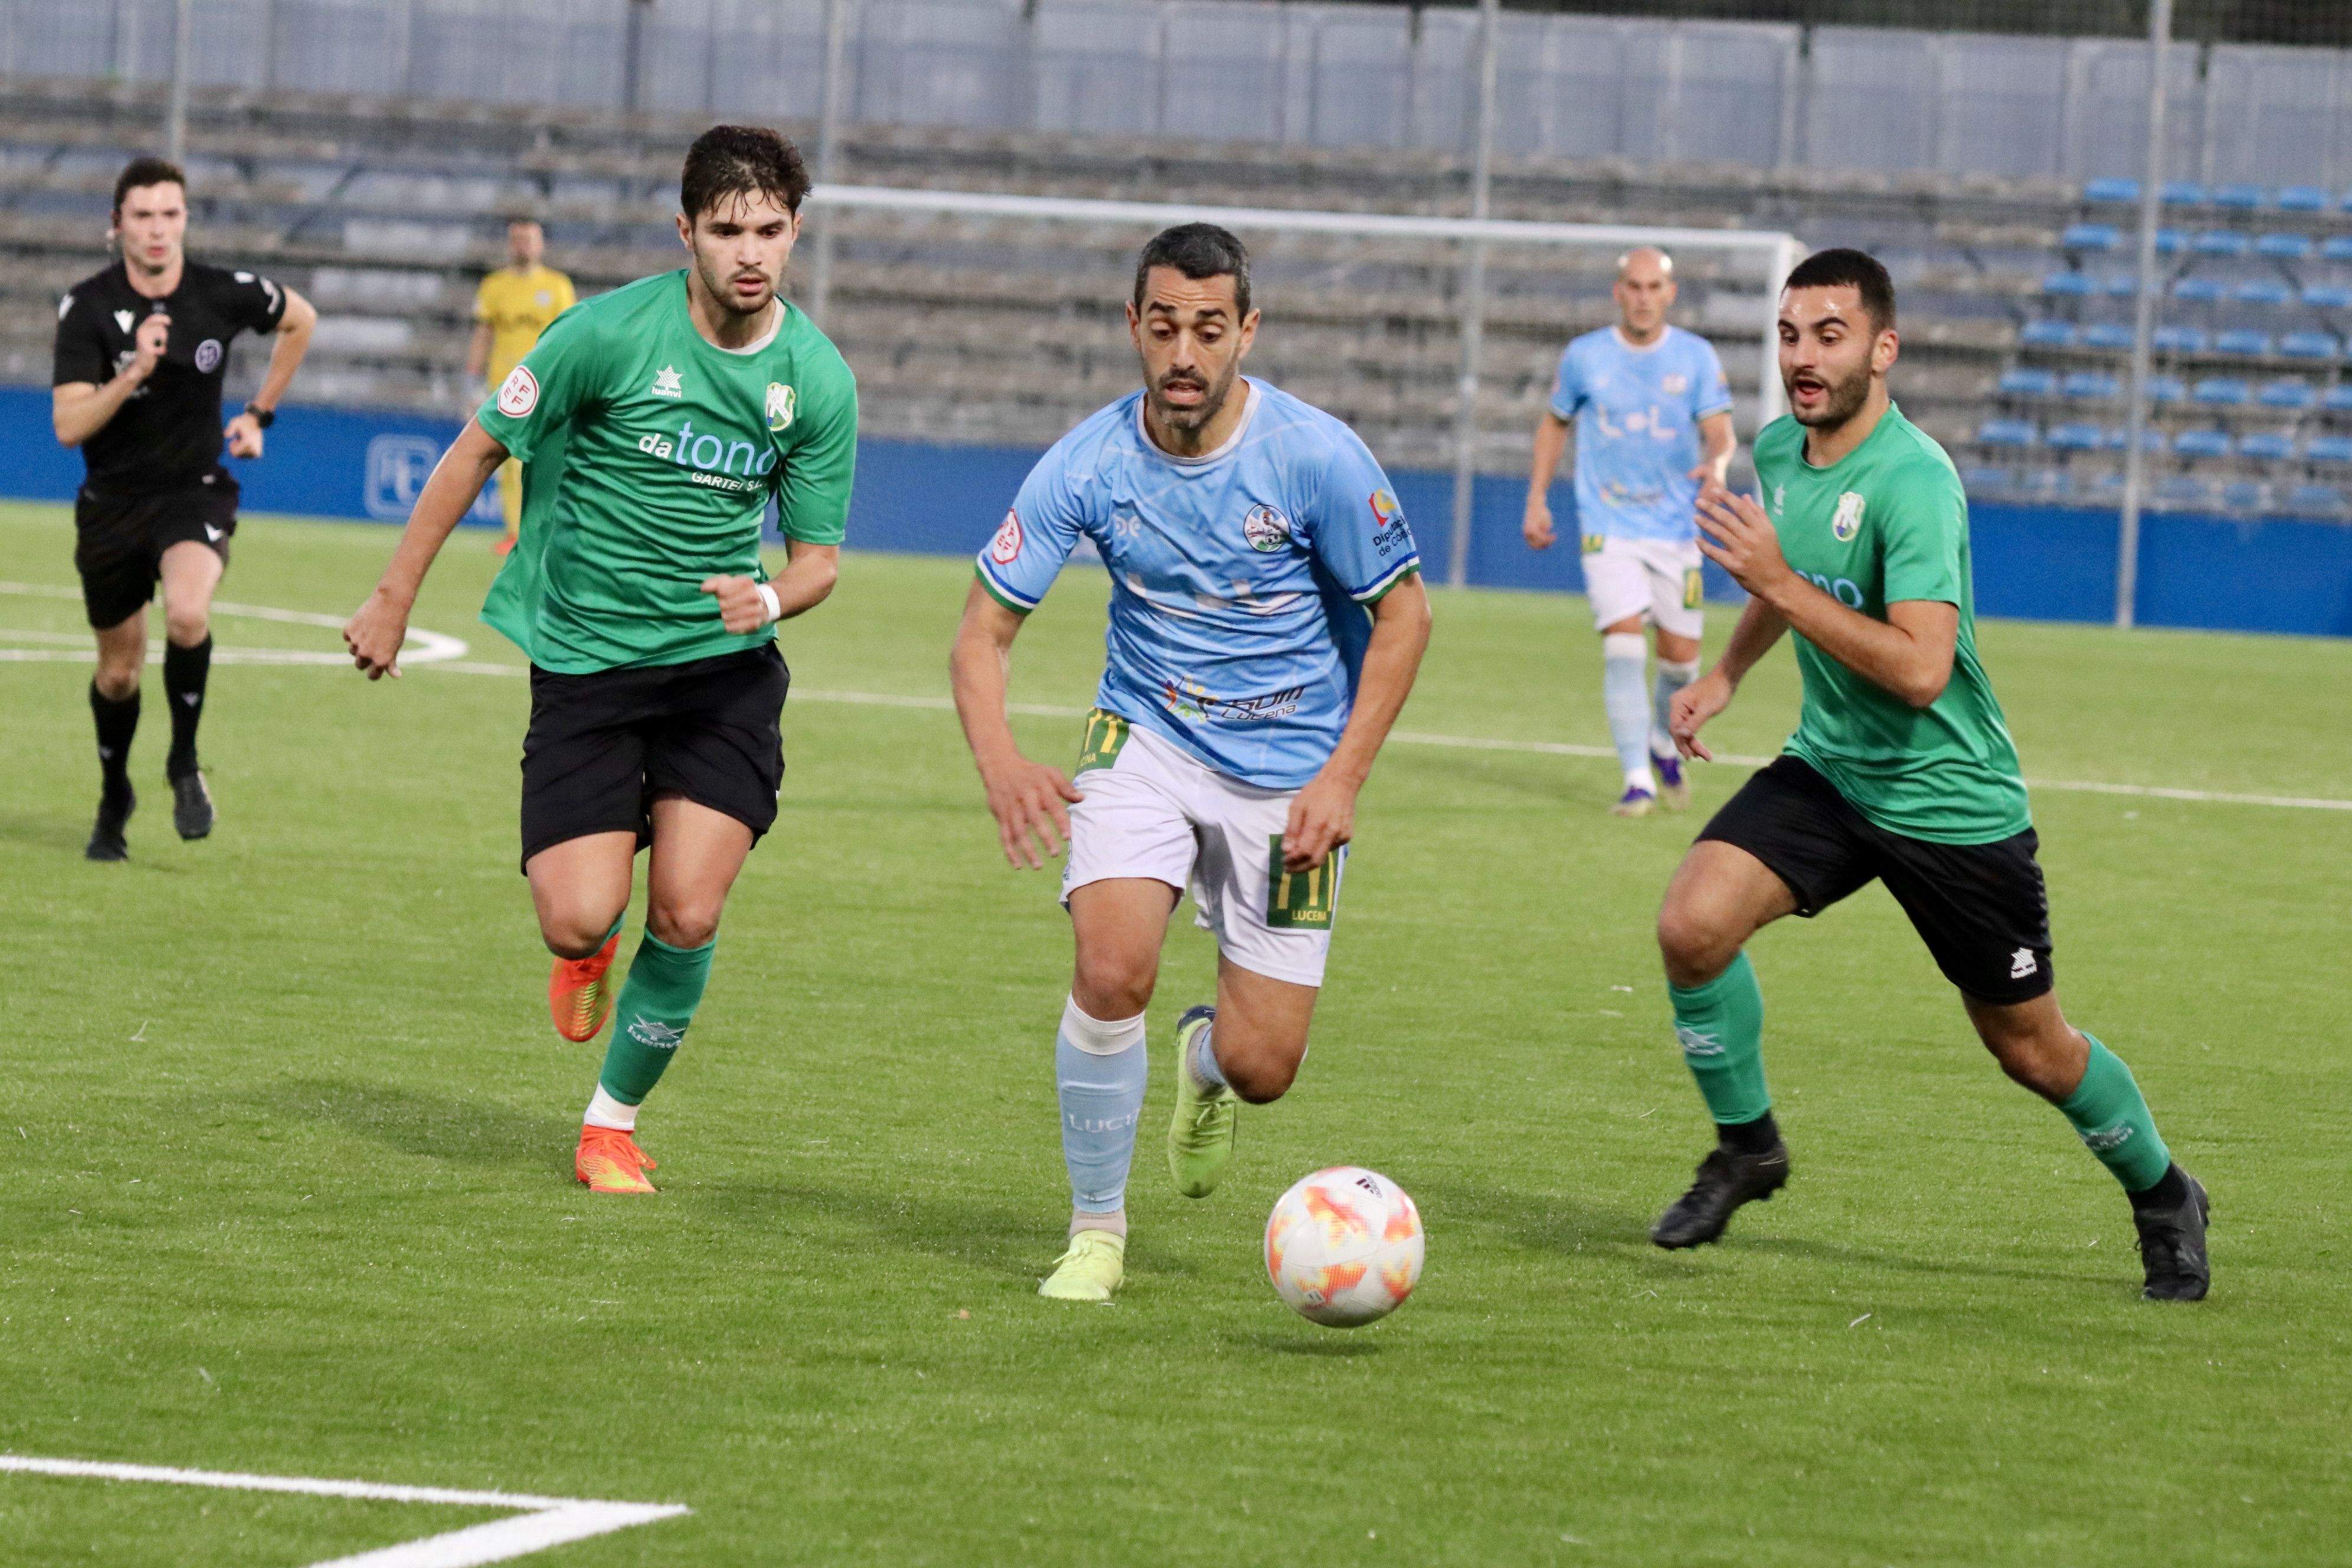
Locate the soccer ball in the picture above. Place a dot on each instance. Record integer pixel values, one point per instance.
(1343, 1247)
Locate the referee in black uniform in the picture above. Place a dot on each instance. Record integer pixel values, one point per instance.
(141, 349)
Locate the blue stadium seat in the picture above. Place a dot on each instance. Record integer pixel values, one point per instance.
(2267, 446)
(2071, 285)
(2200, 290)
(2014, 434)
(2337, 399)
(1982, 479)
(2170, 241)
(2028, 381)
(2261, 292)
(2118, 439)
(2310, 345)
(2315, 500)
(2046, 334)
(2076, 435)
(2219, 392)
(2166, 389)
(2245, 495)
(2222, 242)
(2327, 296)
(2243, 340)
(2289, 393)
(2182, 194)
(2184, 491)
(2329, 449)
(2283, 246)
(2088, 236)
(2201, 444)
(2241, 196)
(2338, 248)
(2087, 383)
(2107, 335)
(2111, 190)
(2302, 199)
(2119, 286)
(2180, 339)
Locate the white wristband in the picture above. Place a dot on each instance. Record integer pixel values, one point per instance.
(768, 598)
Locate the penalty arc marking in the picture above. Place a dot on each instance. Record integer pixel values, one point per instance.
(537, 1523)
(448, 653)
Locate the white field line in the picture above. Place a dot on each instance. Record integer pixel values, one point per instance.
(424, 647)
(441, 651)
(543, 1521)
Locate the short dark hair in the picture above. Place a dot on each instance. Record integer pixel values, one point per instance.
(1857, 269)
(1197, 251)
(741, 161)
(143, 171)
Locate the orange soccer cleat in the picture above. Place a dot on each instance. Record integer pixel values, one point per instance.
(577, 997)
(609, 1160)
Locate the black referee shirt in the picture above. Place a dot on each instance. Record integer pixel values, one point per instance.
(168, 433)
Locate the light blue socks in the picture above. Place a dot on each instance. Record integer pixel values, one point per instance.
(1101, 1072)
(1624, 659)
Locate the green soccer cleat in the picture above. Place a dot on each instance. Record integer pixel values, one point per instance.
(1090, 1270)
(1200, 1138)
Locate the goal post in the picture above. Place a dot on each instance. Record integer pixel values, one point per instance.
(1753, 262)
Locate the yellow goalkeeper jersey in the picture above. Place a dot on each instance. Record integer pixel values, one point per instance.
(518, 307)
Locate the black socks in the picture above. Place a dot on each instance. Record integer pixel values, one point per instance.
(118, 722)
(1760, 1136)
(184, 669)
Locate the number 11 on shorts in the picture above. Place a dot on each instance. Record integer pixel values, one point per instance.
(1300, 900)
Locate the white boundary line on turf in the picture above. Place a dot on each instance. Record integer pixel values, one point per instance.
(539, 1523)
(442, 651)
(422, 647)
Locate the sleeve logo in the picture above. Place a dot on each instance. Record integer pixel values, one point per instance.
(518, 394)
(1848, 521)
(1385, 509)
(63, 305)
(1007, 543)
(1266, 528)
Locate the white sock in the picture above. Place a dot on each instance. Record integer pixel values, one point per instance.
(603, 1111)
(1624, 660)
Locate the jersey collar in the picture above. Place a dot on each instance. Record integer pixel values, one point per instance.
(1631, 347)
(1223, 449)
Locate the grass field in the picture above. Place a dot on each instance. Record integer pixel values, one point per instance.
(286, 1147)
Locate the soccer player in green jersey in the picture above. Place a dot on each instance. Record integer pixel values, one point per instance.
(1901, 769)
(655, 422)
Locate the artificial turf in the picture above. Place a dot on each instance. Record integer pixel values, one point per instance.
(284, 1157)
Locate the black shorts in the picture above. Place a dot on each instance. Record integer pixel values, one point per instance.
(603, 746)
(1980, 908)
(119, 540)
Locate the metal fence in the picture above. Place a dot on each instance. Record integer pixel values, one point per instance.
(1762, 95)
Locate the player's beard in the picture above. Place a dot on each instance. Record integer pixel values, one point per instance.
(721, 289)
(1845, 400)
(1212, 399)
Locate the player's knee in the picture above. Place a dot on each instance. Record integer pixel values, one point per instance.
(1696, 945)
(683, 922)
(2041, 1059)
(575, 934)
(116, 681)
(186, 625)
(1260, 1079)
(1112, 985)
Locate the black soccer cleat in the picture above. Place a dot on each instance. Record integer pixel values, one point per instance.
(191, 806)
(1727, 1179)
(106, 842)
(2172, 1247)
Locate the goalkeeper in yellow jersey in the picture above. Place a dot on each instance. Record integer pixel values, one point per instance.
(513, 306)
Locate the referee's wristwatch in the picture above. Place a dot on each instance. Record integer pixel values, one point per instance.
(264, 418)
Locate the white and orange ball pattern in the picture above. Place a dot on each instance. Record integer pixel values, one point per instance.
(1344, 1246)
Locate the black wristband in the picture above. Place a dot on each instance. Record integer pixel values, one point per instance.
(264, 418)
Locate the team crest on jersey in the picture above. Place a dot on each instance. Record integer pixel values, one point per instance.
(1007, 543)
(1266, 528)
(1848, 521)
(1780, 498)
(783, 403)
(1675, 385)
(518, 394)
(209, 354)
(666, 384)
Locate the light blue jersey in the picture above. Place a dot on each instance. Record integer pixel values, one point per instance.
(1238, 579)
(1637, 438)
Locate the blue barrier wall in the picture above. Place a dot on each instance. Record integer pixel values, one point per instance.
(2032, 562)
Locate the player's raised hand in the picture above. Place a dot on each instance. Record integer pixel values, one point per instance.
(374, 635)
(148, 344)
(1536, 527)
(1031, 803)
(1693, 706)
(1322, 817)
(1737, 535)
(742, 607)
(243, 433)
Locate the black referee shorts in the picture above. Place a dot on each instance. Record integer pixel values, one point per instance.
(1981, 908)
(603, 746)
(119, 540)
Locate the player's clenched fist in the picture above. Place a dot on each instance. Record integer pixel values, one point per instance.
(1031, 803)
(1322, 817)
(745, 605)
(375, 633)
(1536, 526)
(148, 344)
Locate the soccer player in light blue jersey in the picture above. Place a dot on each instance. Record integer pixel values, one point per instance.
(1653, 417)
(1267, 621)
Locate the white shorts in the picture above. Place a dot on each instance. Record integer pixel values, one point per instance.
(1152, 811)
(1646, 577)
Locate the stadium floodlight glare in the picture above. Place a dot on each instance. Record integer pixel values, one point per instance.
(1767, 256)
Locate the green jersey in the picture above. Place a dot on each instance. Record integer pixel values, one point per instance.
(651, 454)
(1888, 521)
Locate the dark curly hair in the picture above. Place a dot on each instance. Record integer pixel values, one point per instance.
(741, 161)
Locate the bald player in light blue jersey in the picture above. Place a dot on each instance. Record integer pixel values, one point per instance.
(1267, 621)
(1652, 417)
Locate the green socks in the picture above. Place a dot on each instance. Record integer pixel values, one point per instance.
(1721, 1027)
(2108, 1111)
(664, 988)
